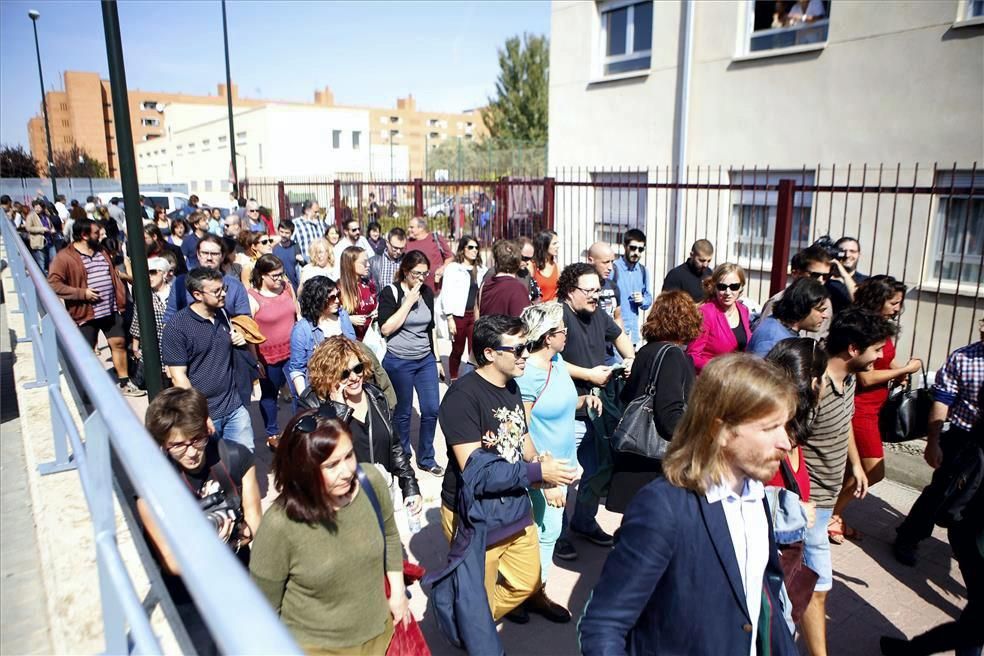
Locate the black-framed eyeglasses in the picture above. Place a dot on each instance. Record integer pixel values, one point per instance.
(178, 449)
(420, 274)
(819, 275)
(276, 275)
(308, 423)
(735, 286)
(589, 292)
(517, 350)
(358, 370)
(221, 291)
(210, 253)
(637, 249)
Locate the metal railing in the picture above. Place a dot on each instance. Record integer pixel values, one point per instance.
(240, 619)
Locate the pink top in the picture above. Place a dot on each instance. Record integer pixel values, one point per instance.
(275, 317)
(716, 337)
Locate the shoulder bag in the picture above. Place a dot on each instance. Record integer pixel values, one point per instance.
(408, 639)
(800, 579)
(636, 432)
(905, 415)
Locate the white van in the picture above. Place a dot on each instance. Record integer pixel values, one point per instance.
(169, 200)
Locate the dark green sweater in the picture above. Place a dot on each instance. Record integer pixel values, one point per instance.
(327, 583)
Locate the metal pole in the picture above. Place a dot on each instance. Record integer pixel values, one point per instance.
(232, 129)
(35, 15)
(131, 199)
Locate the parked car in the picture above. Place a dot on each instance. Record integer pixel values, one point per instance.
(446, 207)
(169, 200)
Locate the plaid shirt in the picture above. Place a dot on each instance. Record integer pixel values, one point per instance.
(958, 385)
(160, 305)
(306, 231)
(382, 269)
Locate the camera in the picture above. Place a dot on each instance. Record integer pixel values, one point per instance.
(827, 244)
(217, 509)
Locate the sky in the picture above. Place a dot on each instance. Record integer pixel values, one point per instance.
(369, 52)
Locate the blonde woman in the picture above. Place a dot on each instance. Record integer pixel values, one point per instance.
(725, 317)
(321, 262)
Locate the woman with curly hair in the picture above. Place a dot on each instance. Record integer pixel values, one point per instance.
(322, 316)
(663, 369)
(321, 262)
(319, 551)
(882, 295)
(358, 290)
(726, 328)
(546, 271)
(340, 372)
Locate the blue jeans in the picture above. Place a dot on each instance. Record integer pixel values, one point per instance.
(276, 376)
(407, 376)
(585, 501)
(41, 256)
(236, 427)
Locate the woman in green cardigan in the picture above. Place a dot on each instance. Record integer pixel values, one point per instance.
(319, 553)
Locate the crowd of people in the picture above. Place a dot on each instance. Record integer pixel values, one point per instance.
(764, 424)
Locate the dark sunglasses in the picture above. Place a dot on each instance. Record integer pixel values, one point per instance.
(819, 275)
(357, 370)
(309, 422)
(637, 249)
(735, 286)
(517, 350)
(527, 259)
(265, 241)
(471, 247)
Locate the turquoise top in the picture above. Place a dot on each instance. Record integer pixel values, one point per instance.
(552, 418)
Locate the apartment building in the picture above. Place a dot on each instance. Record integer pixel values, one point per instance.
(752, 91)
(82, 113)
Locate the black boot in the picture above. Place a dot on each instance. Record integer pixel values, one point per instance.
(541, 604)
(518, 615)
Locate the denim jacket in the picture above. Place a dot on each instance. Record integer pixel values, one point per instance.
(788, 516)
(304, 338)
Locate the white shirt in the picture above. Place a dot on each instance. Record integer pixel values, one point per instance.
(344, 243)
(749, 528)
(62, 210)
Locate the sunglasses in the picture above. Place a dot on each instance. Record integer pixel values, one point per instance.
(253, 211)
(471, 247)
(636, 249)
(819, 275)
(309, 422)
(265, 241)
(357, 370)
(527, 259)
(735, 286)
(517, 350)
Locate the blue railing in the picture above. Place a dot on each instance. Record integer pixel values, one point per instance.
(239, 618)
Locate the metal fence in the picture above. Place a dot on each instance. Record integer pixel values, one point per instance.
(236, 613)
(922, 224)
(24, 190)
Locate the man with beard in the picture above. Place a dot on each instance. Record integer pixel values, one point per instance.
(630, 275)
(856, 340)
(588, 334)
(696, 569)
(690, 275)
(85, 278)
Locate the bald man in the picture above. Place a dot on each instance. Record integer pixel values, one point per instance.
(602, 257)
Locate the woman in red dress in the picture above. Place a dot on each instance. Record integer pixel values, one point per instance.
(358, 291)
(881, 295)
(547, 271)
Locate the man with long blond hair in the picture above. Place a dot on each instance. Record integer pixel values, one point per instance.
(695, 569)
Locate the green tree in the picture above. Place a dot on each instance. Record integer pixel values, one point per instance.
(76, 162)
(15, 162)
(519, 110)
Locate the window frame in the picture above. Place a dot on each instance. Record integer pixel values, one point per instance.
(745, 46)
(630, 54)
(336, 139)
(634, 181)
(935, 253)
(356, 140)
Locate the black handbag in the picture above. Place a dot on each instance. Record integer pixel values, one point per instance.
(636, 432)
(905, 415)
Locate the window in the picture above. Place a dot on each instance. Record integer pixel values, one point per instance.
(224, 185)
(975, 9)
(356, 140)
(433, 123)
(791, 26)
(618, 209)
(394, 119)
(194, 186)
(191, 147)
(394, 134)
(151, 122)
(149, 105)
(434, 135)
(179, 147)
(958, 236)
(205, 145)
(151, 137)
(336, 139)
(208, 185)
(626, 36)
(240, 138)
(223, 142)
(259, 148)
(753, 217)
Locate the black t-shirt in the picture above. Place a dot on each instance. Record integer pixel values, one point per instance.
(587, 337)
(740, 335)
(476, 410)
(683, 277)
(609, 299)
(472, 296)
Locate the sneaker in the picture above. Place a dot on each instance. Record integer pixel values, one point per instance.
(564, 550)
(518, 615)
(905, 552)
(542, 605)
(132, 390)
(595, 535)
(434, 470)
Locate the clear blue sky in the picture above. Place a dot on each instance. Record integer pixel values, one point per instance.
(369, 53)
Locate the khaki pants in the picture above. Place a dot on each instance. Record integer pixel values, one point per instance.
(512, 566)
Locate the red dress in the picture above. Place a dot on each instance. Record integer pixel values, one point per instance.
(867, 404)
(368, 301)
(801, 475)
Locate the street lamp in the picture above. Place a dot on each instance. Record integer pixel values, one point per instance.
(34, 15)
(232, 129)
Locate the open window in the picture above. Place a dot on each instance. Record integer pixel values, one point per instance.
(626, 36)
(777, 24)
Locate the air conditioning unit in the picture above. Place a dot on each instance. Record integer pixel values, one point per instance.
(159, 107)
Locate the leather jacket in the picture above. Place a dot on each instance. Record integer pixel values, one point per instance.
(387, 452)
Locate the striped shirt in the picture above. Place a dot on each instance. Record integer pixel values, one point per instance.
(99, 279)
(825, 450)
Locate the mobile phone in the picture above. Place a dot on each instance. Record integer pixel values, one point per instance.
(618, 369)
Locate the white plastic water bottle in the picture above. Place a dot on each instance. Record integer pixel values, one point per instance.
(413, 522)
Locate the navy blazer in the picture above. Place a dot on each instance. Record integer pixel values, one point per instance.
(671, 585)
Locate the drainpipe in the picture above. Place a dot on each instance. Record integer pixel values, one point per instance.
(681, 112)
